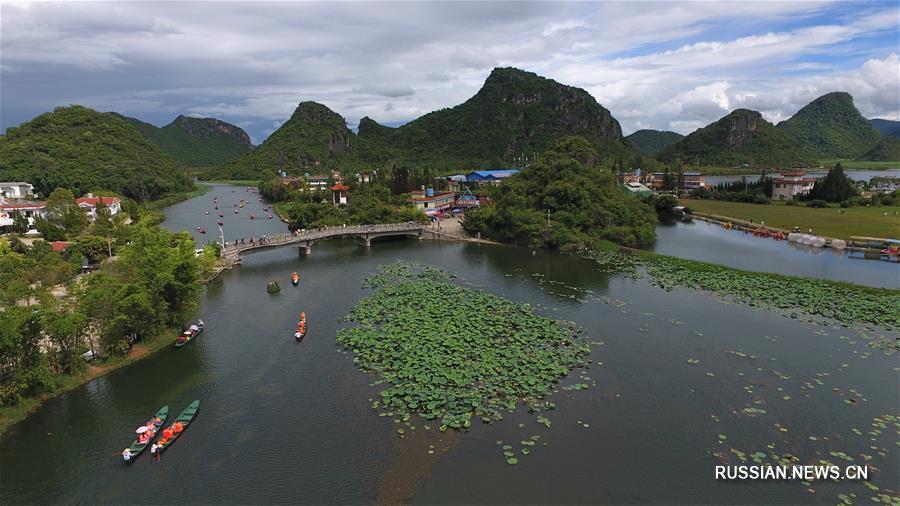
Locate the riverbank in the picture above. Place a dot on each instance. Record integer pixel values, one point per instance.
(174, 198)
(848, 165)
(11, 415)
(833, 222)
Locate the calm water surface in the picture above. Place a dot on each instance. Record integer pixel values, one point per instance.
(856, 175)
(286, 423)
(708, 242)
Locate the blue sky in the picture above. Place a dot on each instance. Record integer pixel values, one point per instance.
(664, 65)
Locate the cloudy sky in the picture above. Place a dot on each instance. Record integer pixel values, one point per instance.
(667, 65)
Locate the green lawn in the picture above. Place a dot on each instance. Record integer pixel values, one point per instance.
(830, 222)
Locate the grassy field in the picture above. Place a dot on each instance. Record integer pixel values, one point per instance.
(830, 222)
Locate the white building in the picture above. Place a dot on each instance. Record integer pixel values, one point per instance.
(791, 184)
(16, 190)
(89, 205)
(30, 210)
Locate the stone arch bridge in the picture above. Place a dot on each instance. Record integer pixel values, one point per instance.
(306, 238)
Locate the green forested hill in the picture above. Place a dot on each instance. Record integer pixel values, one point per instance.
(743, 136)
(885, 150)
(515, 116)
(886, 127)
(314, 139)
(650, 142)
(85, 150)
(196, 142)
(831, 127)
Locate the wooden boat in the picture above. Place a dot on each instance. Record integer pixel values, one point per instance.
(302, 328)
(295, 278)
(178, 426)
(131, 453)
(192, 332)
(300, 334)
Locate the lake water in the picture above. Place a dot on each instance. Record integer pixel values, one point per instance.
(282, 422)
(856, 175)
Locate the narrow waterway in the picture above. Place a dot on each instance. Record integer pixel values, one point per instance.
(283, 422)
(708, 242)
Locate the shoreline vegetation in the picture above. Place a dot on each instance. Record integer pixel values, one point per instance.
(145, 282)
(12, 415)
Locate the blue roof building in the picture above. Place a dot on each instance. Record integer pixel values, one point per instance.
(490, 176)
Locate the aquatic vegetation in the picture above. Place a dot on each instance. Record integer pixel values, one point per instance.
(846, 303)
(450, 353)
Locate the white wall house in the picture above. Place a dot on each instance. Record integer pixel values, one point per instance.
(791, 184)
(89, 205)
(30, 210)
(16, 190)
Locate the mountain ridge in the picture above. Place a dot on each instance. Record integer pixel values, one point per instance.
(513, 117)
(195, 141)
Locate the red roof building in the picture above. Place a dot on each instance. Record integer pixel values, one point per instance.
(89, 205)
(59, 245)
(339, 194)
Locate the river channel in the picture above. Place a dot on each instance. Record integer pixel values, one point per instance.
(282, 422)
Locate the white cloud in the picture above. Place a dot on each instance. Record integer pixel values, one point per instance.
(654, 65)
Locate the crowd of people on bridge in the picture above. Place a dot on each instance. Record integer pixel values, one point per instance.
(285, 236)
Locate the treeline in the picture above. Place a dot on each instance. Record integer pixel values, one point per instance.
(753, 192)
(382, 200)
(50, 315)
(565, 200)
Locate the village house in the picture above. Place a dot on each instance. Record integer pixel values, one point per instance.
(31, 211)
(430, 202)
(89, 205)
(789, 185)
(16, 190)
(689, 180)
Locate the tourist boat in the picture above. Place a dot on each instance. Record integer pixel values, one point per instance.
(152, 426)
(270, 216)
(219, 222)
(189, 334)
(221, 215)
(206, 212)
(301, 331)
(235, 211)
(252, 217)
(178, 426)
(295, 278)
(202, 230)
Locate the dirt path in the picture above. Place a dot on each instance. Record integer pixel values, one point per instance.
(137, 352)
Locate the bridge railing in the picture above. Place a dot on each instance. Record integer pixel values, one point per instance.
(318, 233)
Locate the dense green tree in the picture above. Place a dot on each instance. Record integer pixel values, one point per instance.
(585, 204)
(64, 214)
(23, 369)
(20, 222)
(834, 187)
(66, 332)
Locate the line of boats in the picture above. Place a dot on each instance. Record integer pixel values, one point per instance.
(146, 433)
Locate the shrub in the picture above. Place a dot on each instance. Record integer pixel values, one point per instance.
(818, 203)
